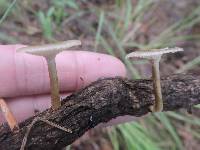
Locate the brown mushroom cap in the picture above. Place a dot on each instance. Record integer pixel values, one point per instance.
(49, 50)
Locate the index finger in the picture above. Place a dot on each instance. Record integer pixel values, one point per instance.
(24, 74)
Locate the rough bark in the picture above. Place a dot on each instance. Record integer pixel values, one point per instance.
(99, 102)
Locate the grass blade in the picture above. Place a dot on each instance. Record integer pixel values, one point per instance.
(165, 121)
(189, 65)
(7, 11)
(100, 25)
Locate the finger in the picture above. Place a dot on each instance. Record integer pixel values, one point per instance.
(27, 106)
(25, 74)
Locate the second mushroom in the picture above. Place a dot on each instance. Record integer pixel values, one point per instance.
(154, 57)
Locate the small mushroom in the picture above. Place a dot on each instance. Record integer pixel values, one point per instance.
(8, 115)
(154, 56)
(50, 51)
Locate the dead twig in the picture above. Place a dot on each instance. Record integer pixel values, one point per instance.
(102, 100)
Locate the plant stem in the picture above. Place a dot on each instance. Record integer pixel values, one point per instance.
(8, 115)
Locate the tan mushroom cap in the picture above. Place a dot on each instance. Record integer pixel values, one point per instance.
(154, 53)
(49, 50)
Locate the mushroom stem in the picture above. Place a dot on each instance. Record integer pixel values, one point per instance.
(158, 106)
(8, 115)
(55, 98)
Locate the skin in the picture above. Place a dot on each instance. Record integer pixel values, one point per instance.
(25, 84)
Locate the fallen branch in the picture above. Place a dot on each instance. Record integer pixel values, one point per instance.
(99, 102)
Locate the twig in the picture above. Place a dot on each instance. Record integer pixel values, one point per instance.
(103, 100)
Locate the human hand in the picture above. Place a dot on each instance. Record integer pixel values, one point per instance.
(25, 83)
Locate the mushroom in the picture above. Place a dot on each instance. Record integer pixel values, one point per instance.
(8, 115)
(154, 56)
(49, 52)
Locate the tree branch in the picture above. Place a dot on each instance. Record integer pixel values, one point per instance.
(100, 102)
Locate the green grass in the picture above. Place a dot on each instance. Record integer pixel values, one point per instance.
(100, 25)
(54, 16)
(134, 136)
(8, 10)
(170, 129)
(190, 65)
(60, 13)
(46, 22)
(170, 36)
(114, 138)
